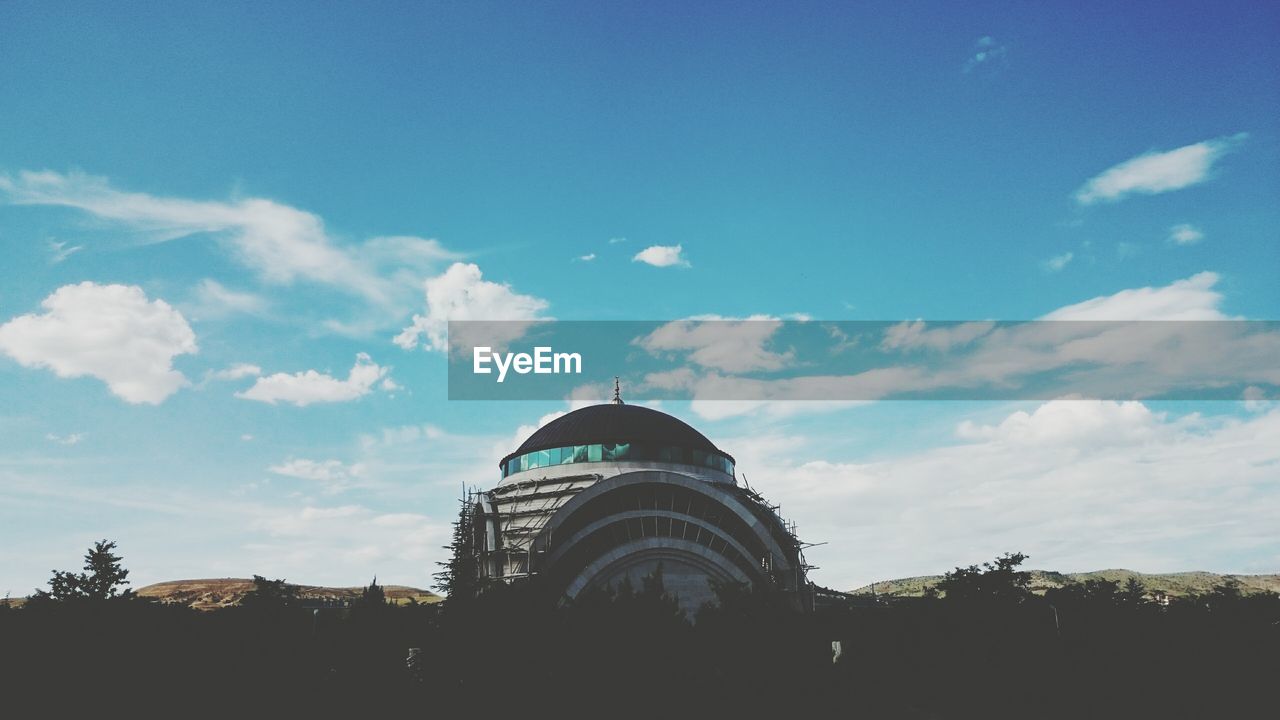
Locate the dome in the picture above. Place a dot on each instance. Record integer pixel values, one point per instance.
(613, 423)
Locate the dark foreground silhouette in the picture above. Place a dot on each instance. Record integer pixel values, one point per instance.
(983, 647)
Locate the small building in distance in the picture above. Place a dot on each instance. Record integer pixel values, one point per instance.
(614, 492)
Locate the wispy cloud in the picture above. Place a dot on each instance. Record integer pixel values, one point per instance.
(585, 258)
(1158, 172)
(720, 343)
(985, 50)
(238, 371)
(1076, 484)
(1058, 262)
(58, 251)
(282, 244)
(334, 474)
(1185, 234)
(662, 256)
(1192, 298)
(211, 300)
(70, 439)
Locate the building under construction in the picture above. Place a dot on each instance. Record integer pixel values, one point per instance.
(615, 491)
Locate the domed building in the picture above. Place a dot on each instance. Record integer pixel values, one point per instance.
(615, 491)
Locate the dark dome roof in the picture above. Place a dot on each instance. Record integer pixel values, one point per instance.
(616, 422)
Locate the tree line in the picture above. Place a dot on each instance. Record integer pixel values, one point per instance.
(981, 645)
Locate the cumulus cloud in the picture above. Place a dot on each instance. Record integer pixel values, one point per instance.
(280, 243)
(462, 293)
(305, 388)
(109, 332)
(662, 256)
(1158, 172)
(1185, 234)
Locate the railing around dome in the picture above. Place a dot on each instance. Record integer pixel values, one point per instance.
(612, 452)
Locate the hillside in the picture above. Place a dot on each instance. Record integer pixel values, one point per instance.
(211, 594)
(1171, 584)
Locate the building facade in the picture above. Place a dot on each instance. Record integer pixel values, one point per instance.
(616, 492)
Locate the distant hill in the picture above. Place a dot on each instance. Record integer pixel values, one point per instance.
(212, 594)
(1171, 584)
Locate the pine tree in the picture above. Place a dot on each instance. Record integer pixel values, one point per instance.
(457, 578)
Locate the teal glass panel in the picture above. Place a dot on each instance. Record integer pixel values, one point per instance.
(579, 453)
(595, 453)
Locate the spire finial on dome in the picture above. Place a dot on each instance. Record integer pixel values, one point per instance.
(617, 391)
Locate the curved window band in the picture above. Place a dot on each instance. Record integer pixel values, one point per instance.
(611, 452)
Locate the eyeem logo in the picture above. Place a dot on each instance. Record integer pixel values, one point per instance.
(542, 362)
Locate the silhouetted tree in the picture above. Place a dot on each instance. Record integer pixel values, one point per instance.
(102, 579)
(373, 595)
(457, 578)
(270, 594)
(998, 581)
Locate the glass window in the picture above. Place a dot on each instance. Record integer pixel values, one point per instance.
(554, 455)
(579, 453)
(566, 455)
(594, 453)
(699, 457)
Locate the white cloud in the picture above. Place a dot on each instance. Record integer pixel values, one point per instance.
(236, 372)
(1185, 234)
(71, 439)
(109, 332)
(1042, 359)
(916, 335)
(280, 243)
(1191, 299)
(59, 251)
(985, 50)
(211, 300)
(1058, 262)
(1255, 399)
(729, 344)
(1158, 172)
(305, 388)
(1078, 485)
(462, 293)
(325, 471)
(662, 256)
(348, 540)
(585, 258)
(616, 240)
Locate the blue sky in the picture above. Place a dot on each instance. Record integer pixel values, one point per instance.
(286, 179)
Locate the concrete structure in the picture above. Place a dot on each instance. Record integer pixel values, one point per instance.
(614, 491)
